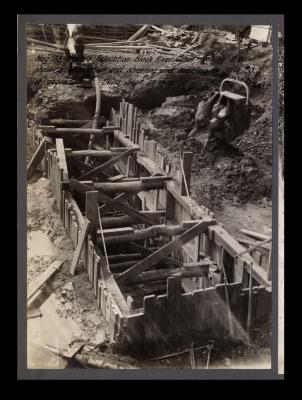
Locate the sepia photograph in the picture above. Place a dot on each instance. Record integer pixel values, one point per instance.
(154, 196)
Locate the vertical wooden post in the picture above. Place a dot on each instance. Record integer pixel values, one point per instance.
(269, 270)
(173, 303)
(128, 165)
(170, 206)
(45, 160)
(91, 212)
(187, 163)
(250, 303)
(107, 143)
(149, 316)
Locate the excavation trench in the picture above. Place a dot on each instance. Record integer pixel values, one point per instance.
(166, 116)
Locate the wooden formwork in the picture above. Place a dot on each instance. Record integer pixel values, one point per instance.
(189, 307)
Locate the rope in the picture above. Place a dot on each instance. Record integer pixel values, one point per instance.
(186, 185)
(103, 239)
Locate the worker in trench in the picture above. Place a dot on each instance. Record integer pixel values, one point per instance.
(75, 50)
(203, 114)
(79, 45)
(211, 115)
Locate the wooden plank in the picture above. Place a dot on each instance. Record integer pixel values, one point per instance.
(91, 212)
(78, 251)
(173, 303)
(130, 121)
(125, 119)
(170, 206)
(74, 231)
(37, 157)
(152, 149)
(263, 248)
(110, 282)
(108, 164)
(96, 274)
(164, 251)
(173, 189)
(74, 206)
(222, 238)
(256, 235)
(66, 211)
(45, 159)
(90, 257)
(136, 126)
(62, 158)
(43, 278)
(141, 139)
(150, 331)
(187, 163)
(140, 32)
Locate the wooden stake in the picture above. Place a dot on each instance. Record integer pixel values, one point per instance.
(250, 304)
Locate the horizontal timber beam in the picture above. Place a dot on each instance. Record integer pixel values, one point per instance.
(75, 131)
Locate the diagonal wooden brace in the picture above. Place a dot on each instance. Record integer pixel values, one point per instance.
(164, 251)
(78, 251)
(37, 157)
